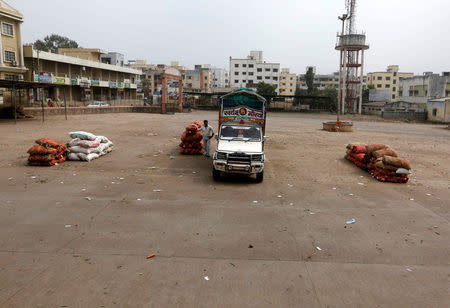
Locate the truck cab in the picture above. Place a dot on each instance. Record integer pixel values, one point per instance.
(240, 146)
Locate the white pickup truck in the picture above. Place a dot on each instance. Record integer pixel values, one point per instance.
(240, 146)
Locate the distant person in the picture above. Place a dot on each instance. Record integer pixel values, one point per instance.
(207, 134)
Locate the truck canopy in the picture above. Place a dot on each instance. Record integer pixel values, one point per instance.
(244, 107)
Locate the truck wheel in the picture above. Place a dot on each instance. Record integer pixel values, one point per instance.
(260, 177)
(216, 174)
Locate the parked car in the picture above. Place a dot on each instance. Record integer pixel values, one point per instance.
(98, 104)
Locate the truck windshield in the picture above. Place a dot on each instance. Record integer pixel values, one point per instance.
(240, 132)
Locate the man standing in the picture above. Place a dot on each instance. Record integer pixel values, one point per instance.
(207, 134)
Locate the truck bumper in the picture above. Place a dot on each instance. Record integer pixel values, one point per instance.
(238, 168)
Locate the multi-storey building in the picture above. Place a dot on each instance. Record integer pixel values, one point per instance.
(388, 80)
(253, 70)
(197, 80)
(83, 80)
(219, 77)
(321, 81)
(287, 82)
(420, 89)
(11, 53)
(113, 58)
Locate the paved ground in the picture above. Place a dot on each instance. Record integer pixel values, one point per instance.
(58, 249)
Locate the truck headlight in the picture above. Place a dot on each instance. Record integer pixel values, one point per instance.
(221, 156)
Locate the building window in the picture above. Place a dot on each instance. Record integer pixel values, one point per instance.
(290, 90)
(388, 78)
(244, 81)
(236, 73)
(244, 73)
(7, 29)
(259, 77)
(387, 86)
(434, 112)
(250, 65)
(10, 56)
(236, 81)
(236, 65)
(267, 77)
(275, 78)
(275, 70)
(394, 81)
(378, 85)
(267, 69)
(395, 74)
(393, 96)
(244, 65)
(259, 69)
(250, 73)
(394, 88)
(380, 78)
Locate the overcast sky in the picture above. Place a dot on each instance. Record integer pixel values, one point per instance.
(295, 33)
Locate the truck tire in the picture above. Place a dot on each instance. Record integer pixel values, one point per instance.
(260, 177)
(216, 174)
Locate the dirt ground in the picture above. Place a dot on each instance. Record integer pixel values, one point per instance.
(58, 249)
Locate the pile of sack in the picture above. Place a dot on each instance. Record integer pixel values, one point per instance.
(47, 152)
(86, 146)
(380, 161)
(191, 139)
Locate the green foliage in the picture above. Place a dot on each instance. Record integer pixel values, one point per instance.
(53, 42)
(332, 93)
(146, 87)
(365, 94)
(310, 80)
(298, 92)
(266, 90)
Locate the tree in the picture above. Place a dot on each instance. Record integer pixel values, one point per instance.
(332, 94)
(266, 90)
(310, 80)
(146, 86)
(298, 92)
(53, 42)
(365, 95)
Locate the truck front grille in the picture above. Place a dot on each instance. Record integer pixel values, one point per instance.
(239, 158)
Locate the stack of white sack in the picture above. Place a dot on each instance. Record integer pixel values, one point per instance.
(86, 146)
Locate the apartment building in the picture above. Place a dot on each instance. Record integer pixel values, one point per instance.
(197, 80)
(11, 53)
(219, 77)
(388, 80)
(252, 70)
(420, 89)
(83, 80)
(288, 82)
(321, 81)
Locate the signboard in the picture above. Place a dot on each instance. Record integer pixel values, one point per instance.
(113, 84)
(120, 85)
(84, 83)
(47, 78)
(59, 80)
(243, 111)
(95, 83)
(74, 81)
(126, 83)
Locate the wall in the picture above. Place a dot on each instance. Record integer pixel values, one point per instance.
(442, 111)
(408, 115)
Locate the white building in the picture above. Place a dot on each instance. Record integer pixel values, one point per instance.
(220, 77)
(253, 70)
